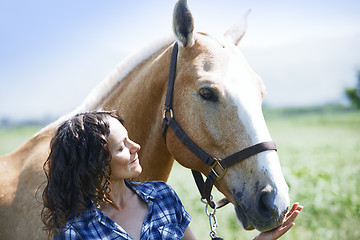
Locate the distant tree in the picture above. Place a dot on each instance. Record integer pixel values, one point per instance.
(354, 93)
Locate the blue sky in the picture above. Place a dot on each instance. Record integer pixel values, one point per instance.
(52, 53)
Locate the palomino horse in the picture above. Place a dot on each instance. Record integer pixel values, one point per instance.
(217, 101)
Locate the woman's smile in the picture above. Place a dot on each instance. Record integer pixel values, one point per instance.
(135, 161)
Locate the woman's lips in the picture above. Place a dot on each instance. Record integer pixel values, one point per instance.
(135, 160)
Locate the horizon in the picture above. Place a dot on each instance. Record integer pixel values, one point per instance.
(306, 52)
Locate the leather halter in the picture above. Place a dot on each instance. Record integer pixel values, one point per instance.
(218, 166)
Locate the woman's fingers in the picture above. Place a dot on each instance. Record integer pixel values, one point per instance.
(292, 214)
(296, 206)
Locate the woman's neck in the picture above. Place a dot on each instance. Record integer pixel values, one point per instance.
(120, 194)
(126, 208)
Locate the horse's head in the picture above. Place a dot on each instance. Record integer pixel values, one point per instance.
(217, 101)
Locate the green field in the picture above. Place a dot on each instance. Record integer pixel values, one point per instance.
(12, 137)
(319, 150)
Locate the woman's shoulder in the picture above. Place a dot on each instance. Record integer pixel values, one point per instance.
(76, 227)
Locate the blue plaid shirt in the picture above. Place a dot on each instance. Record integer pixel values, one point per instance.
(167, 218)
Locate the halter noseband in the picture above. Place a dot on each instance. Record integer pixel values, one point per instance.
(218, 166)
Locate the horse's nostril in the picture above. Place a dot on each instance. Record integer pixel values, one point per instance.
(266, 205)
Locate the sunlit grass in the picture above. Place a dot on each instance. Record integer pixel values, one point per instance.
(11, 138)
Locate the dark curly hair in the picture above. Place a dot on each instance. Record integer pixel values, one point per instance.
(77, 169)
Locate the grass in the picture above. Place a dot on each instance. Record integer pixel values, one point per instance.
(320, 154)
(319, 150)
(13, 137)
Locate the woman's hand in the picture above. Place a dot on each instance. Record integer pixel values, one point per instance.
(285, 226)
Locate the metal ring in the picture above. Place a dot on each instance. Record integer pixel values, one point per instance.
(207, 211)
(171, 113)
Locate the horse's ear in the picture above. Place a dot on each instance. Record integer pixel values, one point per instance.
(236, 32)
(183, 24)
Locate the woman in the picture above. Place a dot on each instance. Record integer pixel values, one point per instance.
(87, 195)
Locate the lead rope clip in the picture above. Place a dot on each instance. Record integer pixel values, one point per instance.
(212, 221)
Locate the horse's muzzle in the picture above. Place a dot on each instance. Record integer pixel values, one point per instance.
(264, 212)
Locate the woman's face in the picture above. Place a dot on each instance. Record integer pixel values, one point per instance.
(125, 162)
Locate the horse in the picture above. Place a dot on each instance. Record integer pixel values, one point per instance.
(217, 101)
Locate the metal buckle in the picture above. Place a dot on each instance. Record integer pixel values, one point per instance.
(217, 163)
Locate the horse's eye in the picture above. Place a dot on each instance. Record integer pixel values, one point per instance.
(208, 94)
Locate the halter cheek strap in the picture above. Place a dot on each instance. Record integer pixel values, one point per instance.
(218, 166)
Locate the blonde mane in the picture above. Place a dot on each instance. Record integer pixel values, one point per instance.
(121, 70)
(106, 85)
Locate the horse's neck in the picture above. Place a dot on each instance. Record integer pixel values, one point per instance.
(137, 94)
(139, 98)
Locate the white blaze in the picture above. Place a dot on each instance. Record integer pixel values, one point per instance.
(245, 87)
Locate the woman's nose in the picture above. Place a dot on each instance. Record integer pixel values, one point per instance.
(134, 147)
